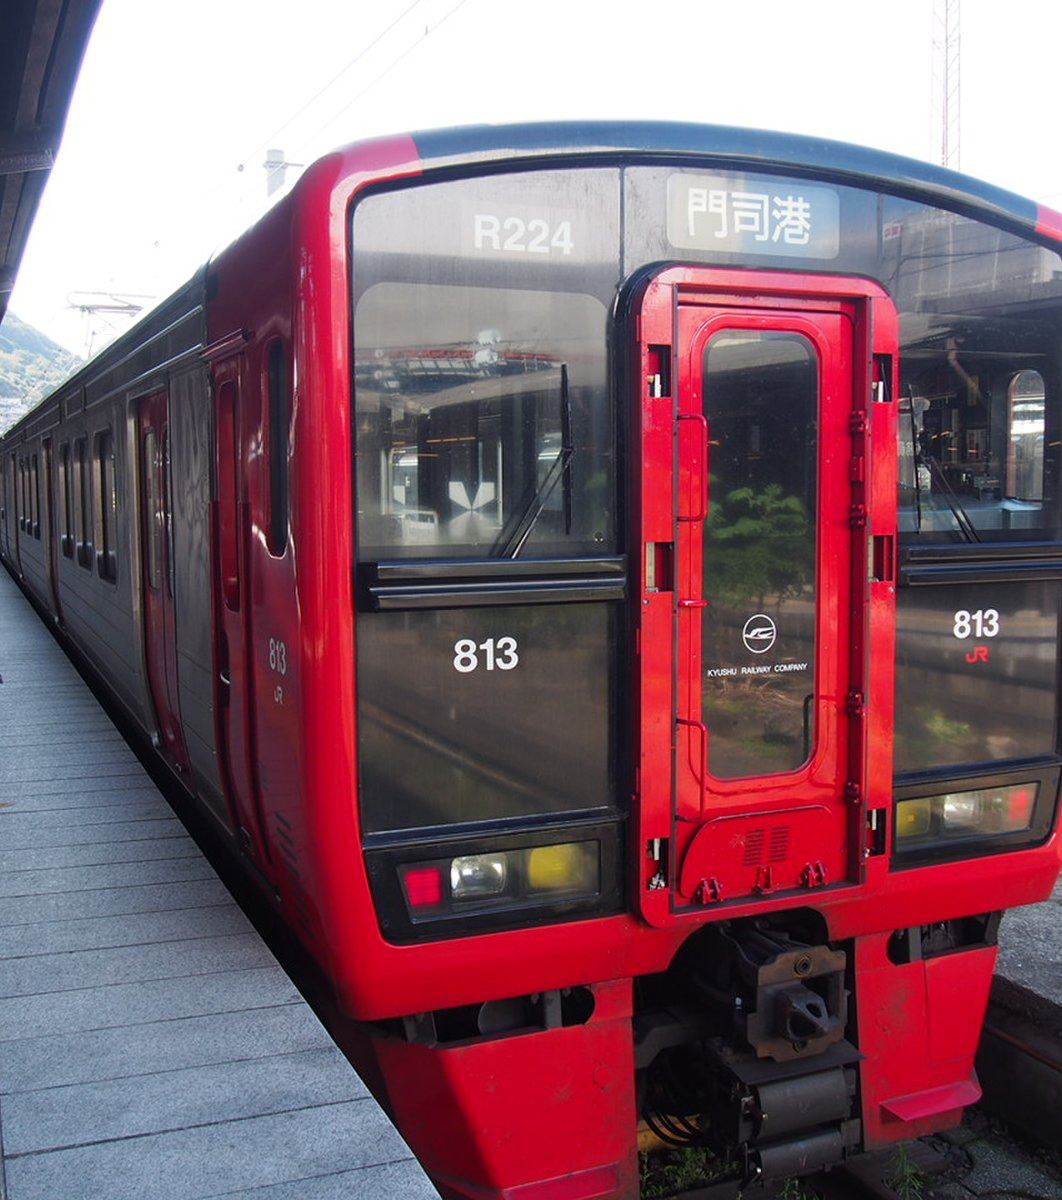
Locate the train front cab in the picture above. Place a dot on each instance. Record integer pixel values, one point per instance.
(705, 616)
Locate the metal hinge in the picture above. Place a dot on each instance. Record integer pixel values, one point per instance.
(814, 875)
(709, 891)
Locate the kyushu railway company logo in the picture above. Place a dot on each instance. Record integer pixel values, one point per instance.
(759, 633)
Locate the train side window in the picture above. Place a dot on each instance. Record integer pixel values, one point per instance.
(152, 513)
(82, 502)
(26, 524)
(166, 513)
(277, 435)
(35, 497)
(66, 537)
(20, 494)
(106, 506)
(228, 495)
(27, 508)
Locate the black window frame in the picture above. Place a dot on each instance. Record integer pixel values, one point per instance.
(83, 503)
(106, 515)
(278, 408)
(66, 514)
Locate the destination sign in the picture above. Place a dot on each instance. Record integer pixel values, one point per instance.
(752, 214)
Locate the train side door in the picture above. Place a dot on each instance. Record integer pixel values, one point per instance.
(157, 577)
(756, 713)
(236, 443)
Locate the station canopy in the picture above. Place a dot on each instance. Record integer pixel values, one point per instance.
(42, 43)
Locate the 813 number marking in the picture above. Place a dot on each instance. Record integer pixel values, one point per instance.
(495, 654)
(278, 656)
(982, 623)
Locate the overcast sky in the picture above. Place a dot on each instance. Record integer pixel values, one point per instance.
(178, 102)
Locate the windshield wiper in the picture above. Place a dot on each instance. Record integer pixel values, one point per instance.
(559, 469)
(920, 458)
(951, 499)
(916, 460)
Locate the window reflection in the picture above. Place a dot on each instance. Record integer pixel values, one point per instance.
(758, 630)
(482, 426)
(1025, 453)
(976, 459)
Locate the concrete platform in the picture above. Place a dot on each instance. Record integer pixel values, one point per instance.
(1020, 1058)
(1030, 949)
(150, 1045)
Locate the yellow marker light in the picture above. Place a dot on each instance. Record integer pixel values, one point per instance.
(569, 867)
(913, 818)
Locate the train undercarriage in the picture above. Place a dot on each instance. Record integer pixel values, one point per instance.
(748, 1045)
(745, 1050)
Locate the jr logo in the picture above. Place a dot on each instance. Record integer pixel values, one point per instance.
(759, 633)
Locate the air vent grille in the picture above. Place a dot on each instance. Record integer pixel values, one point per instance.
(765, 845)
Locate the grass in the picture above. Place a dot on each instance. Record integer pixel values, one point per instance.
(905, 1179)
(666, 1172)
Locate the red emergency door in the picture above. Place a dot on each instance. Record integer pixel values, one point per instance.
(758, 552)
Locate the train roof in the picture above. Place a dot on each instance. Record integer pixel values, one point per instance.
(741, 149)
(481, 147)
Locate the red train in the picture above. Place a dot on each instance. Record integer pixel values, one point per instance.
(605, 580)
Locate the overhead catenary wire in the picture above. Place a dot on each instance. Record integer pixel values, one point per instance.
(303, 149)
(428, 31)
(273, 138)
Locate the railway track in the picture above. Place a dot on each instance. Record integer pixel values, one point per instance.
(983, 1158)
(1020, 1067)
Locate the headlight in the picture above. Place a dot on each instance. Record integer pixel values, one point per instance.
(980, 813)
(990, 810)
(474, 876)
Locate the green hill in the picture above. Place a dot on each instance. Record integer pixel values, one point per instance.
(31, 365)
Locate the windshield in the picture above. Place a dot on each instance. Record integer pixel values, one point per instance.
(977, 455)
(482, 429)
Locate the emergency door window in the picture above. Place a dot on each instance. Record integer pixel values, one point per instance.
(758, 628)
